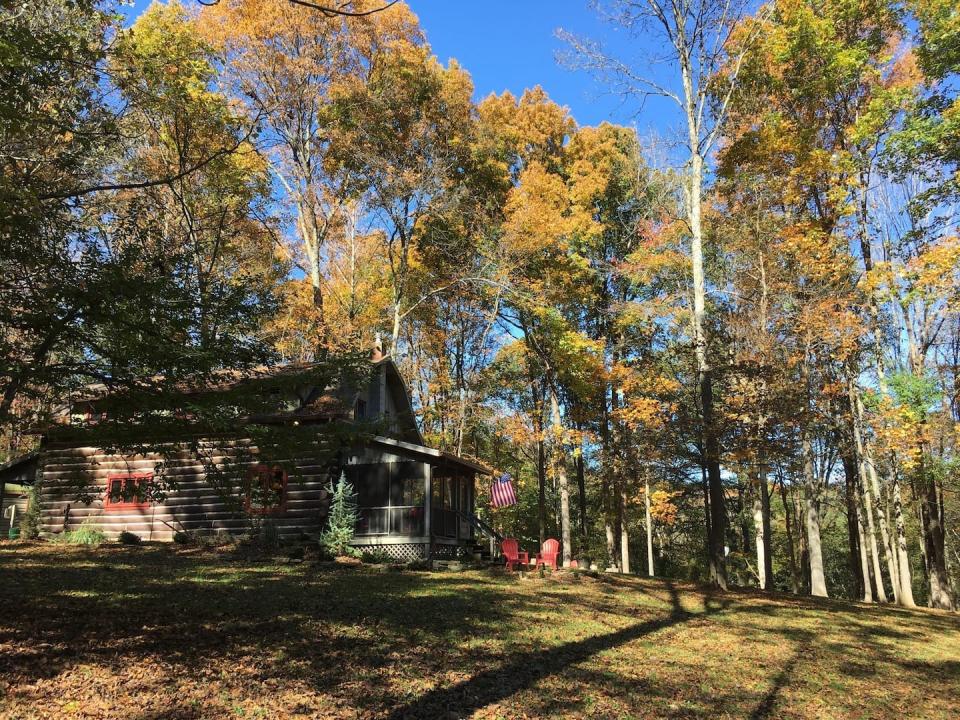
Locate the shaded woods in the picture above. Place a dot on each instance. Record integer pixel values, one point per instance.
(734, 360)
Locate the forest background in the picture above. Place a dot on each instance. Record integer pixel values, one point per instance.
(728, 347)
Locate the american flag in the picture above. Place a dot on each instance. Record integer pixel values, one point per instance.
(501, 492)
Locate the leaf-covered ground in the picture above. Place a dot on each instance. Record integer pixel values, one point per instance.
(163, 632)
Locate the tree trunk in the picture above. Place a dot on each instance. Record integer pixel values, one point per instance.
(624, 531)
(560, 467)
(866, 504)
(761, 528)
(931, 516)
(649, 522)
(871, 489)
(864, 561)
(767, 531)
(818, 583)
(542, 490)
(744, 495)
(608, 528)
(758, 532)
(898, 561)
(853, 535)
(718, 512)
(582, 496)
(791, 548)
(606, 485)
(903, 564)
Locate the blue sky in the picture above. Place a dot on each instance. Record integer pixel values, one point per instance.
(511, 45)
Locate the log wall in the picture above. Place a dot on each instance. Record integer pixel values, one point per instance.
(193, 505)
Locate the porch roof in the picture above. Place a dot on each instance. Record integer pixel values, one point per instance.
(423, 450)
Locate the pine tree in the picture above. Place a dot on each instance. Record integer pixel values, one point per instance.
(343, 519)
(30, 520)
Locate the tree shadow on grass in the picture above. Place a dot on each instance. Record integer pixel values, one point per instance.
(196, 610)
(768, 704)
(523, 670)
(365, 645)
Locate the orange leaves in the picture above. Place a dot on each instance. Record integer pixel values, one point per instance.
(533, 128)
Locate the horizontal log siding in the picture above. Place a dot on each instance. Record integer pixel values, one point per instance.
(194, 505)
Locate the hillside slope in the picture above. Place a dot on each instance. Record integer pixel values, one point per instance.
(161, 632)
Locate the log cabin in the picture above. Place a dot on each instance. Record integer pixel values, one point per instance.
(414, 502)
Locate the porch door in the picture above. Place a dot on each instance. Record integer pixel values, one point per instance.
(452, 496)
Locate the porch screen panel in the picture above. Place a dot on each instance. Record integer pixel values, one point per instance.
(371, 483)
(407, 498)
(390, 497)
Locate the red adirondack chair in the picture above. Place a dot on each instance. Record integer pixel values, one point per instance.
(512, 553)
(548, 553)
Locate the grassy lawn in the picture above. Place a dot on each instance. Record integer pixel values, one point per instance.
(163, 632)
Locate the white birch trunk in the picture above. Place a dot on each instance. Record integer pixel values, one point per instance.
(560, 464)
(818, 582)
(866, 495)
(864, 562)
(649, 520)
(903, 558)
(758, 529)
(872, 495)
(624, 533)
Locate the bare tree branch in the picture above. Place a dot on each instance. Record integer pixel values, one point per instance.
(325, 10)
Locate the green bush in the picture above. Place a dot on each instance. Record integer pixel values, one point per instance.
(342, 521)
(128, 538)
(86, 534)
(182, 538)
(30, 520)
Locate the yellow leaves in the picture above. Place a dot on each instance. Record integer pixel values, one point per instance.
(934, 274)
(296, 328)
(663, 508)
(647, 397)
(536, 211)
(898, 431)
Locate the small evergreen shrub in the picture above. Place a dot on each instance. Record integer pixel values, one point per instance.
(182, 538)
(30, 520)
(342, 521)
(128, 538)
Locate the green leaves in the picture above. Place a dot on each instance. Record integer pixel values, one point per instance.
(920, 394)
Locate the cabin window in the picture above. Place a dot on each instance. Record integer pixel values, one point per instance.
(127, 491)
(266, 490)
(360, 409)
